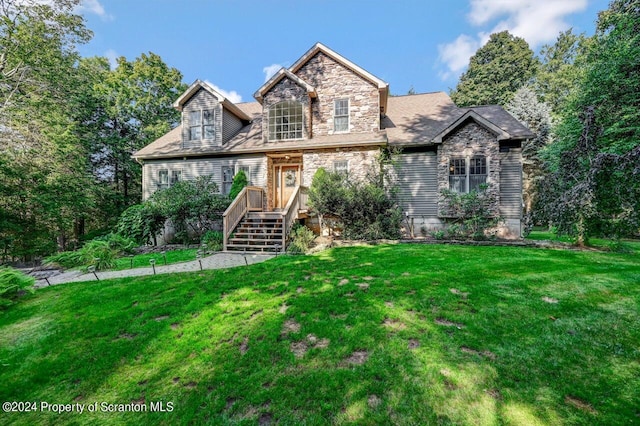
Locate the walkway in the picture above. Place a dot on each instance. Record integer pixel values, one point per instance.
(215, 261)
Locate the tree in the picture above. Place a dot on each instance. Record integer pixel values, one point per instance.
(560, 70)
(43, 173)
(536, 116)
(496, 72)
(133, 105)
(594, 164)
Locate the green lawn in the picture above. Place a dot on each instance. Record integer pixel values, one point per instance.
(390, 334)
(600, 243)
(142, 260)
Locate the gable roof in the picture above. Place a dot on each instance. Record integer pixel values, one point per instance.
(284, 73)
(199, 84)
(428, 118)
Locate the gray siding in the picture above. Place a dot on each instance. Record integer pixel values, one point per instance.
(511, 184)
(195, 167)
(418, 184)
(231, 125)
(202, 100)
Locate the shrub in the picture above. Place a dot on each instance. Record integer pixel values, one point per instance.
(240, 180)
(301, 239)
(12, 282)
(141, 223)
(213, 240)
(194, 206)
(119, 243)
(96, 253)
(470, 213)
(366, 209)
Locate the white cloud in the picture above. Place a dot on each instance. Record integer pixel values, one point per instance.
(270, 70)
(94, 7)
(112, 56)
(537, 21)
(233, 96)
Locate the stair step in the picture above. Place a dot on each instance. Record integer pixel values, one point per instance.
(242, 247)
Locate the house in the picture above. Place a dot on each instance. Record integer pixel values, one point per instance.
(326, 111)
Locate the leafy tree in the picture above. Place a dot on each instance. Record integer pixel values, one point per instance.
(239, 182)
(594, 177)
(560, 70)
(496, 71)
(43, 173)
(134, 107)
(536, 116)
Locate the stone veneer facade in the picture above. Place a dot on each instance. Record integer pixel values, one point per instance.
(468, 141)
(360, 162)
(333, 81)
(285, 90)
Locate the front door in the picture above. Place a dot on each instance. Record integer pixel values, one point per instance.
(287, 177)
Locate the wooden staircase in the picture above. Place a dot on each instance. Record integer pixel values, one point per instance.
(258, 231)
(248, 227)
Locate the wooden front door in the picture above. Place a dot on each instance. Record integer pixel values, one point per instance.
(286, 177)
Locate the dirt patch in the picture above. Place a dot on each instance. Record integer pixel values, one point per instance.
(244, 346)
(348, 294)
(447, 323)
(450, 385)
(229, 404)
(322, 343)
(317, 343)
(134, 304)
(374, 401)
(283, 309)
(357, 358)
(255, 314)
(78, 398)
(457, 292)
(179, 335)
(265, 419)
(388, 304)
(495, 394)
(343, 281)
(290, 326)
(413, 344)
(394, 324)
(176, 380)
(299, 348)
(299, 290)
(411, 292)
(368, 278)
(549, 300)
(139, 401)
(126, 336)
(175, 325)
(579, 404)
(142, 382)
(363, 286)
(338, 316)
(486, 354)
(405, 274)
(161, 318)
(190, 385)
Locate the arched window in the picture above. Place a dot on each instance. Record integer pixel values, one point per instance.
(286, 121)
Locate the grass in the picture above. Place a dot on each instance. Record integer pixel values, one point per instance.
(599, 243)
(390, 334)
(142, 260)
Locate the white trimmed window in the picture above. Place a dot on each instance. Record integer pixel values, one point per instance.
(247, 172)
(341, 115)
(163, 179)
(202, 125)
(286, 121)
(176, 176)
(466, 176)
(341, 167)
(227, 179)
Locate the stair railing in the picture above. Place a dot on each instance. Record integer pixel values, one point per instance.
(249, 199)
(289, 215)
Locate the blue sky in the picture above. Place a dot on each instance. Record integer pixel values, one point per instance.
(424, 44)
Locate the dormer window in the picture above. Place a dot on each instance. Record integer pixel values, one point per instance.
(202, 125)
(286, 121)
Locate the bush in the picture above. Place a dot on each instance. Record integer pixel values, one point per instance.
(12, 282)
(140, 223)
(194, 207)
(301, 239)
(366, 209)
(240, 180)
(119, 243)
(213, 240)
(470, 214)
(96, 253)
